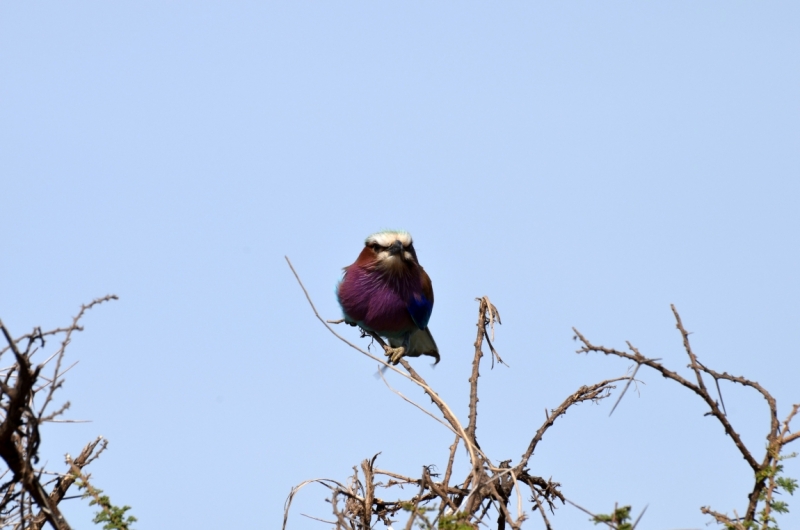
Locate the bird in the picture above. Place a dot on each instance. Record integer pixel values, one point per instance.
(386, 292)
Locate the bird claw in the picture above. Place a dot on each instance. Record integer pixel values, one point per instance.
(394, 354)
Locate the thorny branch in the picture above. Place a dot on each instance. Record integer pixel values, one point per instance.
(777, 437)
(487, 485)
(487, 315)
(593, 393)
(24, 500)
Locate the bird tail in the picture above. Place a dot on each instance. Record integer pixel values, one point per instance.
(420, 343)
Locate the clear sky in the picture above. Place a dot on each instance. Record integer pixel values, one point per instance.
(581, 163)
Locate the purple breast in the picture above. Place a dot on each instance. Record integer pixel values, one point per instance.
(373, 302)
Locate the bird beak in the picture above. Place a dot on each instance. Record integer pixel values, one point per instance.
(396, 248)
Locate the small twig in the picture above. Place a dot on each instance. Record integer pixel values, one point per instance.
(288, 503)
(369, 488)
(785, 436)
(473, 379)
(65, 342)
(584, 393)
(636, 522)
(519, 496)
(719, 393)
(535, 496)
(415, 505)
(420, 407)
(584, 510)
(317, 519)
(625, 389)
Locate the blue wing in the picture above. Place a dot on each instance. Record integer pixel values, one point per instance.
(420, 308)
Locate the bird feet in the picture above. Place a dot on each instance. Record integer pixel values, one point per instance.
(394, 354)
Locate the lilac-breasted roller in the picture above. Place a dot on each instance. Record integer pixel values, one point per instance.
(387, 292)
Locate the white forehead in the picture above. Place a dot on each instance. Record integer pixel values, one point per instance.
(387, 237)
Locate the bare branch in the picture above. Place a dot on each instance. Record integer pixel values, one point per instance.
(488, 487)
(652, 363)
(777, 437)
(594, 392)
(24, 498)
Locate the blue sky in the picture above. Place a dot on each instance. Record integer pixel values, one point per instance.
(581, 163)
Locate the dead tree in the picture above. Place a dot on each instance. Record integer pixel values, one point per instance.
(493, 488)
(29, 494)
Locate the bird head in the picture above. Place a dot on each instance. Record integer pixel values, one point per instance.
(391, 250)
